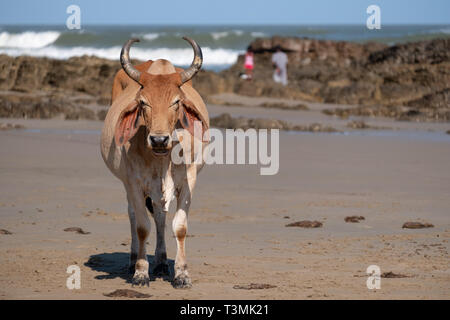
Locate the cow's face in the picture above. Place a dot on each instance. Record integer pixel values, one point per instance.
(160, 106)
(160, 103)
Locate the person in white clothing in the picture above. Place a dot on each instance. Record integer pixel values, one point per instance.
(279, 62)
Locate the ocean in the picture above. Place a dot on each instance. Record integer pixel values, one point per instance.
(221, 45)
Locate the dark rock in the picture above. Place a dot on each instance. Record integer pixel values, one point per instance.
(315, 127)
(42, 107)
(80, 113)
(358, 125)
(391, 274)
(253, 286)
(101, 115)
(283, 106)
(354, 219)
(127, 293)
(432, 52)
(417, 225)
(76, 229)
(306, 224)
(226, 121)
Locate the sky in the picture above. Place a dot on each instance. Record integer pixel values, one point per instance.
(262, 12)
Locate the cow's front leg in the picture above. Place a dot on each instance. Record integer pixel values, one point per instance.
(134, 239)
(137, 201)
(179, 226)
(161, 266)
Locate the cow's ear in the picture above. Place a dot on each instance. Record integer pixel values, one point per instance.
(187, 116)
(127, 124)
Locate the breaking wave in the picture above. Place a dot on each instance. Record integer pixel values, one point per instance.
(150, 36)
(221, 44)
(181, 57)
(28, 39)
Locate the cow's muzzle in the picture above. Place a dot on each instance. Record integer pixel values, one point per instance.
(159, 144)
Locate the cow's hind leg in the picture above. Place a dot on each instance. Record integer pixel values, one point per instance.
(137, 201)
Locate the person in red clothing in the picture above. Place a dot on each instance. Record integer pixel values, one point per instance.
(248, 63)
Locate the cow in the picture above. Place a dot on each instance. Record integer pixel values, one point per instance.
(150, 102)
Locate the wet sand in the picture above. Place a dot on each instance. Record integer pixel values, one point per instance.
(53, 178)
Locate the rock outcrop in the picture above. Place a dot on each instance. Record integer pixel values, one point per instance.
(415, 75)
(405, 81)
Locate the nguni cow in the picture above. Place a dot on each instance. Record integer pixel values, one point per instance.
(149, 102)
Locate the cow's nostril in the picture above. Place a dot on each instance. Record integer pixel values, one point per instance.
(159, 141)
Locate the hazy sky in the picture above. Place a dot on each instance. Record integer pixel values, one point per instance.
(225, 11)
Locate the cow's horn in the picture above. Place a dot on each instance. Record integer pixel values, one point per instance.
(190, 72)
(126, 63)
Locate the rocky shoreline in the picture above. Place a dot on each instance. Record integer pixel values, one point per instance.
(226, 121)
(406, 82)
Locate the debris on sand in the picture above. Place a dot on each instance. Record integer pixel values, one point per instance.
(127, 293)
(315, 127)
(306, 224)
(447, 132)
(354, 219)
(417, 225)
(10, 126)
(253, 286)
(283, 106)
(362, 125)
(391, 274)
(358, 125)
(76, 229)
(3, 231)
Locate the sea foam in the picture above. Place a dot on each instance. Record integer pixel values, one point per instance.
(181, 57)
(28, 39)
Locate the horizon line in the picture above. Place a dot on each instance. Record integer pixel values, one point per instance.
(225, 24)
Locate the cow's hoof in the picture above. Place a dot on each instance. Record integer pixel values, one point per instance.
(141, 278)
(161, 270)
(182, 282)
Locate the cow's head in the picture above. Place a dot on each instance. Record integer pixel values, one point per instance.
(159, 105)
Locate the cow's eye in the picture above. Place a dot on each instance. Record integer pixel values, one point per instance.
(175, 105)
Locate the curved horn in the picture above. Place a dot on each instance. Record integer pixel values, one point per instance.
(126, 63)
(190, 72)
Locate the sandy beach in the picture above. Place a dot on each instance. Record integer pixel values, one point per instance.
(53, 178)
